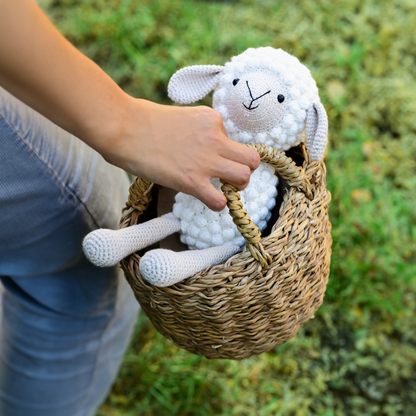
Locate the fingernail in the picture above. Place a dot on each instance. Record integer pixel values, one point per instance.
(256, 159)
(219, 205)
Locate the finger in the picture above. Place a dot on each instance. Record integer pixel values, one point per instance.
(241, 154)
(210, 196)
(234, 173)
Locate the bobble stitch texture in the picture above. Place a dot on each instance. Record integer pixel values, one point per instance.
(217, 228)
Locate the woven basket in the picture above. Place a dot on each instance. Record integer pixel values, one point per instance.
(260, 297)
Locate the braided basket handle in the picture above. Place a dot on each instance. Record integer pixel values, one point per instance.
(294, 175)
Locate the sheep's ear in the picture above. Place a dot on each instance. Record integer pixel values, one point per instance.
(316, 131)
(193, 83)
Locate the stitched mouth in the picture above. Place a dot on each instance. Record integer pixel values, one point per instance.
(250, 107)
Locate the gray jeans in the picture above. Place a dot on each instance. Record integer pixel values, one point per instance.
(64, 323)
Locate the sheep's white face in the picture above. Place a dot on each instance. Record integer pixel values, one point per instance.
(263, 95)
(256, 102)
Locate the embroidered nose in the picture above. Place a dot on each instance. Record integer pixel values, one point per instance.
(250, 107)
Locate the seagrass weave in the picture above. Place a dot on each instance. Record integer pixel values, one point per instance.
(260, 297)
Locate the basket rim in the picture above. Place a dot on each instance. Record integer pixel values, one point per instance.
(140, 197)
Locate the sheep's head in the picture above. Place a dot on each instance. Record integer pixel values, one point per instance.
(264, 95)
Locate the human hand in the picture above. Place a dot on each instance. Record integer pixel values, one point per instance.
(181, 148)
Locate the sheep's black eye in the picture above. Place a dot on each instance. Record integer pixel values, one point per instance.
(280, 98)
(235, 82)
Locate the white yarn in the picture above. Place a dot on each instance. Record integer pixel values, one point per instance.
(200, 80)
(202, 228)
(105, 248)
(252, 103)
(165, 267)
(316, 131)
(248, 94)
(273, 123)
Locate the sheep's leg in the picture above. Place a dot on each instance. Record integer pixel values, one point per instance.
(165, 267)
(106, 248)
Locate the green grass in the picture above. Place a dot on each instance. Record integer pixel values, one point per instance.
(358, 357)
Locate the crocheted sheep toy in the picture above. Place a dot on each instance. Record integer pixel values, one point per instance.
(265, 96)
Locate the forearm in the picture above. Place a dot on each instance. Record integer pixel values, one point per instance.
(179, 147)
(41, 68)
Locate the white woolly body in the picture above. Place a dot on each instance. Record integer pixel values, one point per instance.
(202, 228)
(246, 96)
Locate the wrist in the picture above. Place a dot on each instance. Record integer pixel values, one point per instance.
(121, 137)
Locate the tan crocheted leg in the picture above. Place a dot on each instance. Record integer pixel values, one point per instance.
(165, 267)
(106, 248)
